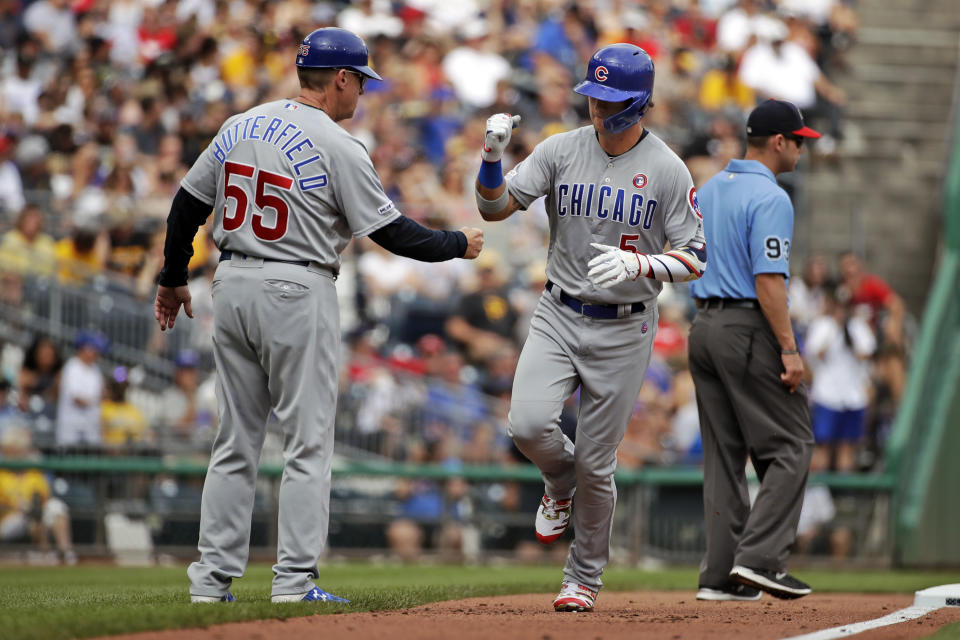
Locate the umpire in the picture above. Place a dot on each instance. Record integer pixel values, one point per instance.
(747, 368)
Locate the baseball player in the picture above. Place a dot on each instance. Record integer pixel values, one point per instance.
(615, 195)
(747, 369)
(289, 188)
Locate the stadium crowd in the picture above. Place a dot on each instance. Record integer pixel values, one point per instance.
(104, 106)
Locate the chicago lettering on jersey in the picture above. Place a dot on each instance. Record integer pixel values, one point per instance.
(604, 203)
(284, 135)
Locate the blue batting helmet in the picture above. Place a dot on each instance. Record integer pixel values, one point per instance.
(616, 73)
(333, 48)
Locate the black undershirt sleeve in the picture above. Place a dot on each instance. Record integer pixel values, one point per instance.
(407, 238)
(187, 214)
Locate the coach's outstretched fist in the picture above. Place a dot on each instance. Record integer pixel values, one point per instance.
(474, 242)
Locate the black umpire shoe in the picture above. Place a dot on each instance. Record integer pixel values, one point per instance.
(779, 584)
(728, 592)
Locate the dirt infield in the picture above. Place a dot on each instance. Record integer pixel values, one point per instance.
(651, 615)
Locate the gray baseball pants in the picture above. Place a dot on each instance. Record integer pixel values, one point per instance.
(276, 346)
(608, 360)
(746, 411)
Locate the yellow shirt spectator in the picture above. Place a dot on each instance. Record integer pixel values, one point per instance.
(25, 249)
(720, 88)
(18, 489)
(18, 254)
(123, 423)
(80, 257)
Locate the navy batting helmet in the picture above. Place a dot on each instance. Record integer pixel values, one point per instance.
(616, 73)
(333, 48)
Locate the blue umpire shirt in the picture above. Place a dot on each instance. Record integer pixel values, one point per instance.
(748, 225)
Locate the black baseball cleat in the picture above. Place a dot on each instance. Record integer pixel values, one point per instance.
(779, 584)
(731, 591)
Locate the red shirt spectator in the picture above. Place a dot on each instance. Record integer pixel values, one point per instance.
(886, 307)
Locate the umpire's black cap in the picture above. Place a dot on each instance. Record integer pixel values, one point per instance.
(778, 116)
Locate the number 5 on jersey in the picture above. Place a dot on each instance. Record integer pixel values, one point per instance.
(261, 199)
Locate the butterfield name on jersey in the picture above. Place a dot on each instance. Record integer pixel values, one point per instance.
(296, 144)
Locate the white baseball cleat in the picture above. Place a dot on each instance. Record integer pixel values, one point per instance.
(730, 592)
(553, 517)
(228, 597)
(314, 595)
(574, 597)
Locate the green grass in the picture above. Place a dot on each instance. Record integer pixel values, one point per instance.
(80, 602)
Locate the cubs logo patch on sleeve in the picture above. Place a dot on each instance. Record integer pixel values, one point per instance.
(694, 203)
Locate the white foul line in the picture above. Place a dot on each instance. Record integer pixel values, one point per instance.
(850, 629)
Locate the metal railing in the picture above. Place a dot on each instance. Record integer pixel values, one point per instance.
(48, 308)
(659, 512)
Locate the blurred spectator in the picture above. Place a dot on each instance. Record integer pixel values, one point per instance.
(473, 68)
(26, 249)
(684, 438)
(53, 23)
(11, 289)
(834, 21)
(429, 514)
(185, 422)
(819, 531)
(778, 67)
(28, 511)
(370, 18)
(124, 425)
(721, 89)
(484, 321)
(452, 405)
(81, 390)
(11, 186)
(10, 415)
(38, 382)
(128, 244)
(20, 91)
(838, 347)
(806, 294)
(567, 36)
(81, 255)
(889, 384)
(885, 309)
(738, 25)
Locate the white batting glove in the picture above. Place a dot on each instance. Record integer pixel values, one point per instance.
(612, 266)
(499, 128)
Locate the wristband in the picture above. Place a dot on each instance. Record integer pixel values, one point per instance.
(789, 352)
(491, 174)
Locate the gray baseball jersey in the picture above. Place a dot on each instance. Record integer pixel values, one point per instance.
(289, 183)
(637, 201)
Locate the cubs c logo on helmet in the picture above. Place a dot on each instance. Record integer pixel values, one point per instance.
(639, 181)
(601, 73)
(694, 203)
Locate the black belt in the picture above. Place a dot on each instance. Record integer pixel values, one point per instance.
(727, 303)
(603, 311)
(226, 255)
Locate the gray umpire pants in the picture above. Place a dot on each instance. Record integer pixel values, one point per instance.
(608, 360)
(746, 411)
(276, 346)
